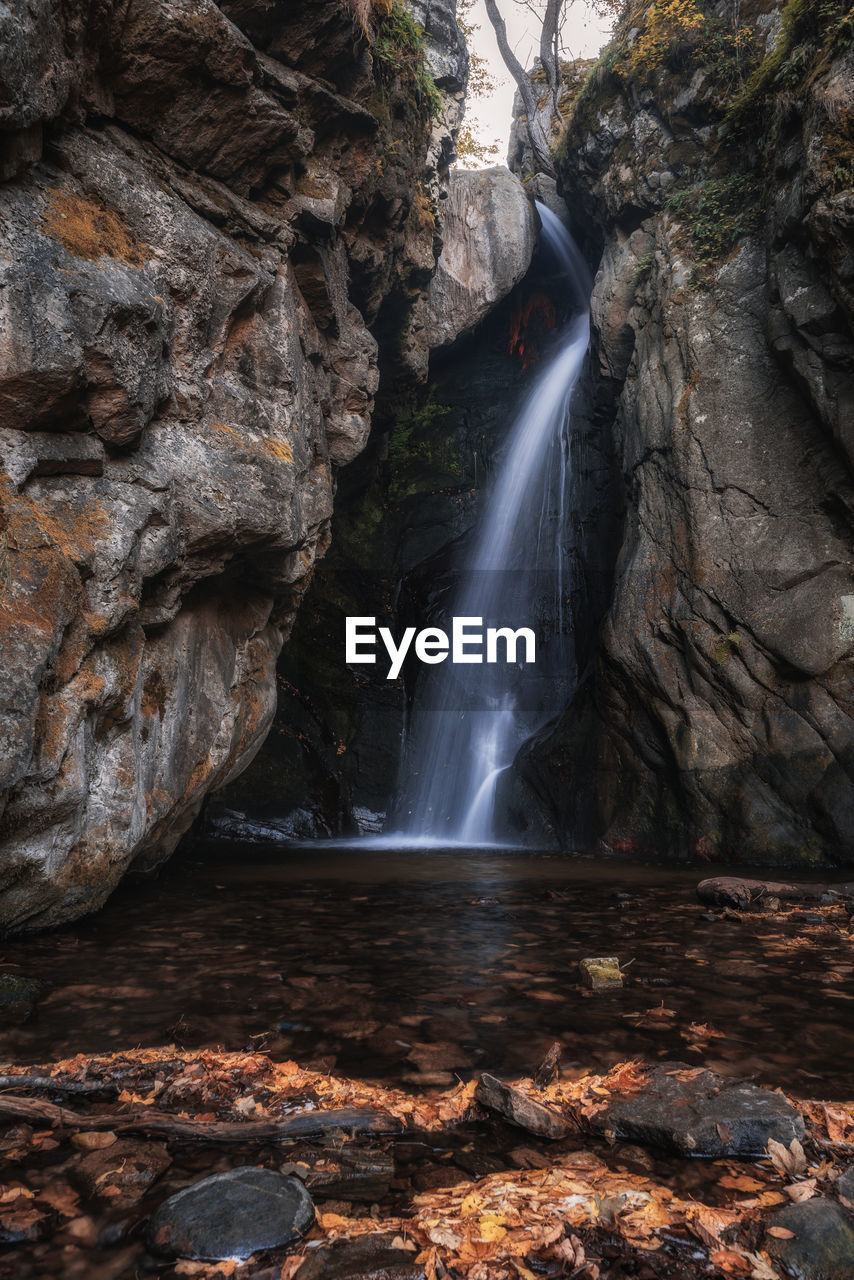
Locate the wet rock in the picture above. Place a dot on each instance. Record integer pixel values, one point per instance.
(18, 998)
(700, 1114)
(844, 1186)
(600, 973)
(487, 245)
(519, 1108)
(822, 1243)
(348, 1174)
(232, 1215)
(735, 891)
(121, 1172)
(299, 824)
(384, 1256)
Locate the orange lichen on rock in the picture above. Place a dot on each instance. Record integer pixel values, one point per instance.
(278, 449)
(88, 229)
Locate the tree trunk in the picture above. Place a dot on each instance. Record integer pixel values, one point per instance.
(536, 133)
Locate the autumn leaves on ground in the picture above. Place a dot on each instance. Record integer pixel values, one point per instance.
(403, 1185)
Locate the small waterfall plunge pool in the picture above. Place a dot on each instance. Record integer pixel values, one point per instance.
(418, 967)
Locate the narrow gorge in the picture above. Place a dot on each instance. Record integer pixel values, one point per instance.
(324, 964)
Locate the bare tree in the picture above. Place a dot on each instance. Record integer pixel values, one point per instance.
(538, 114)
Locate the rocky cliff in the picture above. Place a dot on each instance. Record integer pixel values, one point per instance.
(403, 509)
(709, 158)
(210, 215)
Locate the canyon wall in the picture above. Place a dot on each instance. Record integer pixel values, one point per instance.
(711, 163)
(404, 508)
(211, 215)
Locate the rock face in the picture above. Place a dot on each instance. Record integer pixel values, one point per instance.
(488, 242)
(715, 720)
(402, 513)
(199, 235)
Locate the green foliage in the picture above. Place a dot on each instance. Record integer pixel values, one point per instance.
(644, 265)
(399, 51)
(807, 28)
(724, 646)
(418, 446)
(670, 26)
(718, 212)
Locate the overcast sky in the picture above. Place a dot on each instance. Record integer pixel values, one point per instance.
(583, 36)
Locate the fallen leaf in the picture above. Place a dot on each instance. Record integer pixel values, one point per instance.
(781, 1233)
(800, 1191)
(790, 1161)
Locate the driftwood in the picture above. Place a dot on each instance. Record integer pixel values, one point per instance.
(51, 1085)
(307, 1124)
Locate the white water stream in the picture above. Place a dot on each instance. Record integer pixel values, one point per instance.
(469, 721)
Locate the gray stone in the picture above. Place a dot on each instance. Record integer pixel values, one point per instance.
(488, 241)
(232, 1215)
(844, 1185)
(702, 1115)
(715, 713)
(182, 369)
(822, 1244)
(518, 1107)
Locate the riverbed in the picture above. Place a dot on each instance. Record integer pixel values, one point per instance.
(421, 967)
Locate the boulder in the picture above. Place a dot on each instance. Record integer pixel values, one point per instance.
(18, 996)
(821, 1246)
(844, 1186)
(232, 1215)
(699, 1113)
(487, 245)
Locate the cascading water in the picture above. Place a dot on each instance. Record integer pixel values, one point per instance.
(466, 729)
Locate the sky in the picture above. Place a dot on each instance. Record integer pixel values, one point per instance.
(583, 36)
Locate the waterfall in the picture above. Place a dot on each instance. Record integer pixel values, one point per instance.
(469, 721)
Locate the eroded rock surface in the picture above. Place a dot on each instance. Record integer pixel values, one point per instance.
(488, 242)
(199, 233)
(716, 720)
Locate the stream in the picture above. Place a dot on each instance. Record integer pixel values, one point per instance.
(418, 968)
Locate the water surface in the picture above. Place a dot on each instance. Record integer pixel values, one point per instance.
(421, 967)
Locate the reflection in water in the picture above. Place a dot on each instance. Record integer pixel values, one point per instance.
(422, 967)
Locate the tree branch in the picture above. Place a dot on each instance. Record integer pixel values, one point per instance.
(536, 134)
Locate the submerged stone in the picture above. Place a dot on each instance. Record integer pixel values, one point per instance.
(17, 997)
(600, 973)
(821, 1245)
(232, 1215)
(382, 1254)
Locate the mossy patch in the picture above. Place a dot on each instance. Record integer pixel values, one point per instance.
(399, 51)
(90, 230)
(718, 213)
